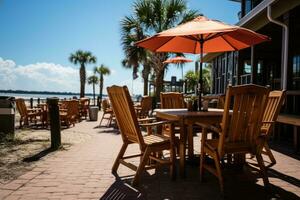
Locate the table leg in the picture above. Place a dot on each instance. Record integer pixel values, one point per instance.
(190, 142)
(182, 148)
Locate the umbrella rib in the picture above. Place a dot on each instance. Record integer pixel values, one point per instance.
(229, 43)
(212, 36)
(195, 46)
(191, 37)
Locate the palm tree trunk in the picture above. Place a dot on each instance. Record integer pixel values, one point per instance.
(145, 73)
(101, 89)
(82, 75)
(159, 83)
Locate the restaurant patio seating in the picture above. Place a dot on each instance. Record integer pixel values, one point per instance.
(150, 145)
(171, 100)
(239, 132)
(175, 100)
(108, 113)
(275, 101)
(70, 115)
(27, 114)
(84, 104)
(145, 108)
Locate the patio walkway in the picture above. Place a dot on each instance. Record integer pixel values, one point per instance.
(84, 172)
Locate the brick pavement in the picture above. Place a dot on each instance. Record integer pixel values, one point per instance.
(84, 172)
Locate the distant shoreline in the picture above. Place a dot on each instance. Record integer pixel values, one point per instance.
(42, 92)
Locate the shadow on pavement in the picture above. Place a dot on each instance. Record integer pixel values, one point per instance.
(39, 155)
(238, 186)
(120, 190)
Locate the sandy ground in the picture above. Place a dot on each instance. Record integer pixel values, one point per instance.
(17, 156)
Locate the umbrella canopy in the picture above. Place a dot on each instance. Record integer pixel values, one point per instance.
(215, 36)
(202, 35)
(178, 60)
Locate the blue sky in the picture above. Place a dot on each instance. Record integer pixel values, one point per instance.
(37, 37)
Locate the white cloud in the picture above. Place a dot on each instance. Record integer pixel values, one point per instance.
(134, 86)
(39, 77)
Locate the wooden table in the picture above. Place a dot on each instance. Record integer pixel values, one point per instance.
(185, 120)
(293, 120)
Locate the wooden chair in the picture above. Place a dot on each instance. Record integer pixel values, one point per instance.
(71, 115)
(240, 129)
(172, 100)
(27, 114)
(215, 101)
(275, 101)
(107, 112)
(84, 104)
(143, 111)
(149, 145)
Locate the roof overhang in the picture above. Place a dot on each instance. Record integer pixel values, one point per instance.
(257, 17)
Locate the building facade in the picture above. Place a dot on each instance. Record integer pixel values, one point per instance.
(275, 63)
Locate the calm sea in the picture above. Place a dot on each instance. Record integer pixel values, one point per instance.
(41, 96)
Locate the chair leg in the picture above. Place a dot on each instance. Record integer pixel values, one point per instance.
(141, 166)
(202, 157)
(102, 118)
(173, 159)
(202, 149)
(120, 155)
(262, 167)
(190, 142)
(270, 154)
(110, 120)
(219, 172)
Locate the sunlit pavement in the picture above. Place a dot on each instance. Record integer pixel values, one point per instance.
(84, 172)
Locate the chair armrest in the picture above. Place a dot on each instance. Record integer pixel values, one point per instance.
(148, 119)
(159, 123)
(268, 122)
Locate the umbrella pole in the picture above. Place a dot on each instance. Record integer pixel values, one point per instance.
(200, 82)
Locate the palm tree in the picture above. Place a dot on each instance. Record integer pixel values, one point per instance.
(150, 17)
(93, 80)
(191, 78)
(101, 70)
(132, 32)
(83, 58)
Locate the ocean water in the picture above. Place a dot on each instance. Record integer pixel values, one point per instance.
(27, 96)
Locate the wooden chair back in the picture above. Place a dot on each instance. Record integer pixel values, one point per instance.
(84, 103)
(21, 107)
(242, 124)
(73, 107)
(105, 104)
(146, 106)
(125, 114)
(171, 100)
(275, 101)
(63, 104)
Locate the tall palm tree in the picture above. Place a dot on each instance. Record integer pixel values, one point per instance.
(150, 17)
(82, 58)
(93, 80)
(131, 32)
(102, 70)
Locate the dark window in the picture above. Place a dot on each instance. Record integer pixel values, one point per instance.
(248, 6)
(296, 72)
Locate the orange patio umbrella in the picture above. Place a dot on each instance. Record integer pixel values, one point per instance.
(178, 60)
(202, 35)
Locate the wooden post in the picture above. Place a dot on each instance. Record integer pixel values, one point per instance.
(54, 122)
(31, 102)
(38, 100)
(98, 103)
